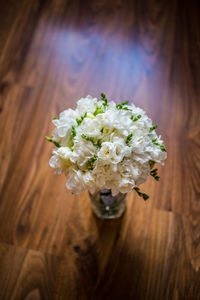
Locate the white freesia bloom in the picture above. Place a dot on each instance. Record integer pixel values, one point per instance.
(87, 104)
(113, 152)
(60, 159)
(62, 132)
(105, 146)
(75, 181)
(92, 127)
(82, 151)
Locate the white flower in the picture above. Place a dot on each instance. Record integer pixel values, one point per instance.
(60, 160)
(91, 127)
(125, 185)
(89, 180)
(78, 181)
(75, 181)
(83, 151)
(105, 146)
(116, 119)
(87, 104)
(113, 152)
(62, 132)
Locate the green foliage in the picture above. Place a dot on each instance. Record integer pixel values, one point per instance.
(162, 147)
(153, 128)
(122, 106)
(71, 144)
(151, 164)
(85, 137)
(52, 141)
(98, 110)
(144, 196)
(91, 161)
(104, 99)
(95, 143)
(128, 139)
(154, 173)
(134, 119)
(125, 102)
(98, 143)
(79, 121)
(73, 132)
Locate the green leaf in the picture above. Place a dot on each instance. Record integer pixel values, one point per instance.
(144, 196)
(154, 173)
(95, 143)
(153, 128)
(103, 96)
(126, 108)
(71, 144)
(52, 141)
(91, 161)
(128, 139)
(98, 110)
(162, 147)
(104, 99)
(136, 118)
(121, 106)
(73, 132)
(151, 163)
(55, 118)
(85, 137)
(79, 121)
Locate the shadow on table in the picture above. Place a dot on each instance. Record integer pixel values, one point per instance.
(123, 267)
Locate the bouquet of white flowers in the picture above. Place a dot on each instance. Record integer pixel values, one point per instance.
(104, 145)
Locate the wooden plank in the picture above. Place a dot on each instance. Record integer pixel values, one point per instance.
(51, 54)
(26, 274)
(146, 255)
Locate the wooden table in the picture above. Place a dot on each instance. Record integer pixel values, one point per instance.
(51, 54)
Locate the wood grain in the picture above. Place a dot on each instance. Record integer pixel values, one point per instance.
(51, 54)
(26, 274)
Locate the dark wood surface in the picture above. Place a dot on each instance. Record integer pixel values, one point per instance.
(51, 54)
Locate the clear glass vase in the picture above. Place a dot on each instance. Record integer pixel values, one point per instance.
(106, 206)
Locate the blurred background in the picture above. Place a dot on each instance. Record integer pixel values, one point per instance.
(51, 54)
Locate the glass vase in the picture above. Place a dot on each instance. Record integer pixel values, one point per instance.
(106, 206)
